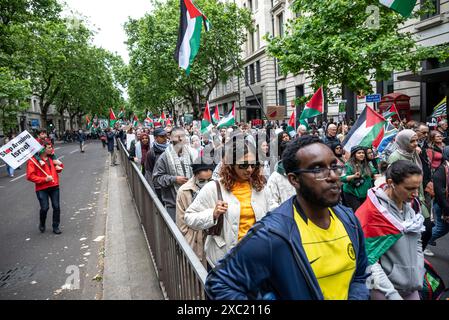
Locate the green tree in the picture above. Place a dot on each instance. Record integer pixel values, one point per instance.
(331, 41)
(156, 82)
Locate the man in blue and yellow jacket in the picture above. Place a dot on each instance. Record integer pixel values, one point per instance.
(309, 248)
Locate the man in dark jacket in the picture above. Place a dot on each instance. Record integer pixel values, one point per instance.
(110, 136)
(309, 248)
(158, 148)
(331, 135)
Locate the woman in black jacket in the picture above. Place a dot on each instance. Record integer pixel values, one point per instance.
(441, 202)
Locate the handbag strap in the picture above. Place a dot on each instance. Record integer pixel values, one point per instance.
(219, 194)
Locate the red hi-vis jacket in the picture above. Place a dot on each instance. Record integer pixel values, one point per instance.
(34, 174)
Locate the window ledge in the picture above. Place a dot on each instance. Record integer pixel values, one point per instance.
(431, 22)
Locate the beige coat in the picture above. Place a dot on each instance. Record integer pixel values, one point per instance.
(199, 215)
(194, 237)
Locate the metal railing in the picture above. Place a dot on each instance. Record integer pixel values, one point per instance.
(180, 272)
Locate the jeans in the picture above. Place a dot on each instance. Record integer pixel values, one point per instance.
(441, 227)
(42, 196)
(10, 170)
(113, 157)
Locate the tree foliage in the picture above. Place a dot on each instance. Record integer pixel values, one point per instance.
(155, 81)
(331, 41)
(50, 57)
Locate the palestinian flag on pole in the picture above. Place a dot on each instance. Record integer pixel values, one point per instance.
(206, 122)
(88, 123)
(121, 114)
(162, 118)
(292, 121)
(391, 112)
(381, 229)
(314, 107)
(440, 109)
(112, 118)
(189, 36)
(365, 131)
(216, 116)
(228, 120)
(403, 7)
(135, 121)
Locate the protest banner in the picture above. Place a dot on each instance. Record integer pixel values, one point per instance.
(19, 150)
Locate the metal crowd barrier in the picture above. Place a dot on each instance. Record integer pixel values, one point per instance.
(180, 272)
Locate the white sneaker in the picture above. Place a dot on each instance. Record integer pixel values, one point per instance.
(429, 253)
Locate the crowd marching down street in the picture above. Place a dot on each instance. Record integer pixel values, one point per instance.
(320, 212)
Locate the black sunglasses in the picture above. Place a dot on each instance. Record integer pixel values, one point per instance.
(247, 165)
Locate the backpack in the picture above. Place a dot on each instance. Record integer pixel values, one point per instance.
(433, 285)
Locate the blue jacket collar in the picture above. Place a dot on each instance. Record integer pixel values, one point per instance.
(287, 229)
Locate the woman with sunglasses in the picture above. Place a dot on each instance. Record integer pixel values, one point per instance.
(243, 201)
(337, 148)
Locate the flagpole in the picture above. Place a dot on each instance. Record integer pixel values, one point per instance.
(37, 165)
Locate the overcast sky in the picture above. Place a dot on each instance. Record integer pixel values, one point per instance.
(109, 16)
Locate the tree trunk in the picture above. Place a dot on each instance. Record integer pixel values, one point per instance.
(44, 110)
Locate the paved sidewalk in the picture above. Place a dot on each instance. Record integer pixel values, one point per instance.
(128, 270)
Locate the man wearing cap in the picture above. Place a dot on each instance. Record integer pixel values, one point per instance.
(202, 174)
(173, 169)
(158, 147)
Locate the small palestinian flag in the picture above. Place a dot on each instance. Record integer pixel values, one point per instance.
(121, 114)
(88, 122)
(216, 116)
(135, 121)
(380, 227)
(206, 122)
(228, 120)
(391, 112)
(365, 131)
(189, 36)
(112, 118)
(315, 106)
(292, 121)
(403, 7)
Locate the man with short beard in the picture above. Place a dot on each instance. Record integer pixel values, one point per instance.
(309, 248)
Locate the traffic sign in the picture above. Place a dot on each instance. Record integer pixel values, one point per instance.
(374, 97)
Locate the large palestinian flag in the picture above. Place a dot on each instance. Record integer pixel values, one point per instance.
(190, 25)
(366, 130)
(381, 229)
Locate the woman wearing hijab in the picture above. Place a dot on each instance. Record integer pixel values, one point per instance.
(441, 202)
(407, 142)
(139, 151)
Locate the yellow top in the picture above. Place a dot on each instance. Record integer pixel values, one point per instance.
(330, 253)
(242, 191)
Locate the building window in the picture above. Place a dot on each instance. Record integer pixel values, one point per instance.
(280, 19)
(250, 5)
(256, 5)
(299, 91)
(258, 77)
(246, 76)
(282, 98)
(278, 69)
(252, 79)
(436, 9)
